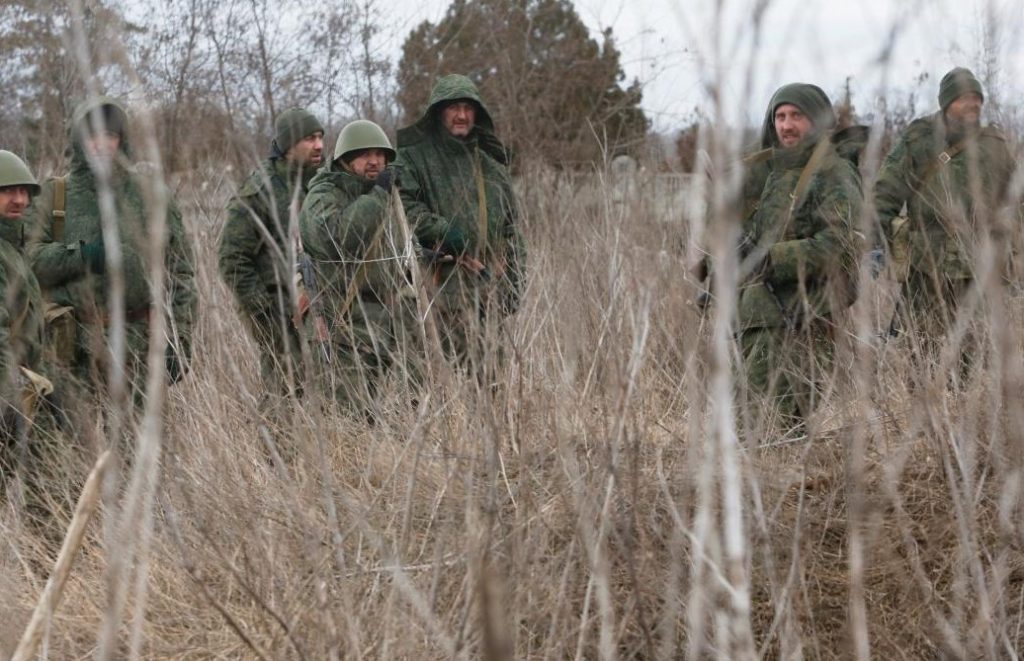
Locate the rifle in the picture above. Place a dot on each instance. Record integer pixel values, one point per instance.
(314, 303)
(432, 257)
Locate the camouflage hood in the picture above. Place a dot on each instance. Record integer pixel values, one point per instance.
(810, 99)
(114, 118)
(452, 88)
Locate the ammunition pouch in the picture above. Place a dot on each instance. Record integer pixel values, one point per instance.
(61, 334)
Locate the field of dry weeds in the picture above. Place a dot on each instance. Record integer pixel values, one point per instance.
(603, 502)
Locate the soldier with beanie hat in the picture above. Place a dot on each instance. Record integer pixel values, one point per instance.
(254, 254)
(952, 174)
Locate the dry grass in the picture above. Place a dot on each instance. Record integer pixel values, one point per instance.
(588, 508)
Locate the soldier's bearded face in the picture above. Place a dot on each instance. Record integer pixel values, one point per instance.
(459, 117)
(308, 152)
(102, 145)
(13, 200)
(368, 163)
(965, 110)
(791, 125)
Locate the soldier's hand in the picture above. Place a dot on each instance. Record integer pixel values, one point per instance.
(703, 300)
(385, 180)
(94, 255)
(454, 241)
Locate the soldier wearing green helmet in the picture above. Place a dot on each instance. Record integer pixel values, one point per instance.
(255, 255)
(21, 307)
(347, 228)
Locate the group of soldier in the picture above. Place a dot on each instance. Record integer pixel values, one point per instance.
(360, 239)
(381, 234)
(941, 192)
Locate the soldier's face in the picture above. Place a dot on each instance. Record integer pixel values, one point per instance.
(791, 125)
(13, 201)
(459, 117)
(308, 152)
(965, 110)
(102, 145)
(368, 163)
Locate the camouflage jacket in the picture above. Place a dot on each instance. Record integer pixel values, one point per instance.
(440, 177)
(62, 272)
(813, 250)
(346, 229)
(944, 218)
(253, 254)
(21, 311)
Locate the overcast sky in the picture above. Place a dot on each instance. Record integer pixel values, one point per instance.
(671, 47)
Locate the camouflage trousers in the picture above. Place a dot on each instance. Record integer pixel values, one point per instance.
(280, 351)
(931, 306)
(469, 323)
(384, 341)
(784, 372)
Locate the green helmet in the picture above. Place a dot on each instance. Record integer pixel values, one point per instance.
(362, 134)
(14, 172)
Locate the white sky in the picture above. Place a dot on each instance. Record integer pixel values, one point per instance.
(670, 46)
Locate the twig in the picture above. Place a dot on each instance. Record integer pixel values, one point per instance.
(54, 589)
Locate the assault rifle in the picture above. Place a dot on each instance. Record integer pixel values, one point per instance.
(313, 303)
(472, 265)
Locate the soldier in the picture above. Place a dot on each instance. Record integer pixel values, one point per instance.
(802, 240)
(346, 228)
(459, 199)
(69, 256)
(21, 309)
(254, 251)
(952, 174)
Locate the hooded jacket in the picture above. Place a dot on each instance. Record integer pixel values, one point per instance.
(440, 178)
(58, 262)
(813, 249)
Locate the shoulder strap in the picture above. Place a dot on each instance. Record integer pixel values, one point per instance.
(59, 203)
(481, 212)
(936, 164)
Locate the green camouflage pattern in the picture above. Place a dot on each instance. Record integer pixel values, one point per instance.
(813, 259)
(21, 312)
(349, 231)
(253, 260)
(66, 281)
(438, 177)
(944, 218)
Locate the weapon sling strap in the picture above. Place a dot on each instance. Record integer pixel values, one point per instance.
(59, 204)
(481, 208)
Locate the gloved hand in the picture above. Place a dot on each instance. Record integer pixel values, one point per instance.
(94, 255)
(454, 241)
(176, 369)
(385, 180)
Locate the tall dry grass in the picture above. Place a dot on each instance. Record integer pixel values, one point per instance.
(601, 502)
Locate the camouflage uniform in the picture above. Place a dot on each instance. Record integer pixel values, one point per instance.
(21, 314)
(71, 267)
(348, 229)
(933, 173)
(254, 255)
(786, 309)
(441, 179)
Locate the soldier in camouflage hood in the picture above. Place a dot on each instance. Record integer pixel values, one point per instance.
(69, 257)
(952, 174)
(254, 251)
(802, 240)
(458, 196)
(21, 305)
(360, 256)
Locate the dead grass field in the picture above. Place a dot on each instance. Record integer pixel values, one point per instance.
(590, 508)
